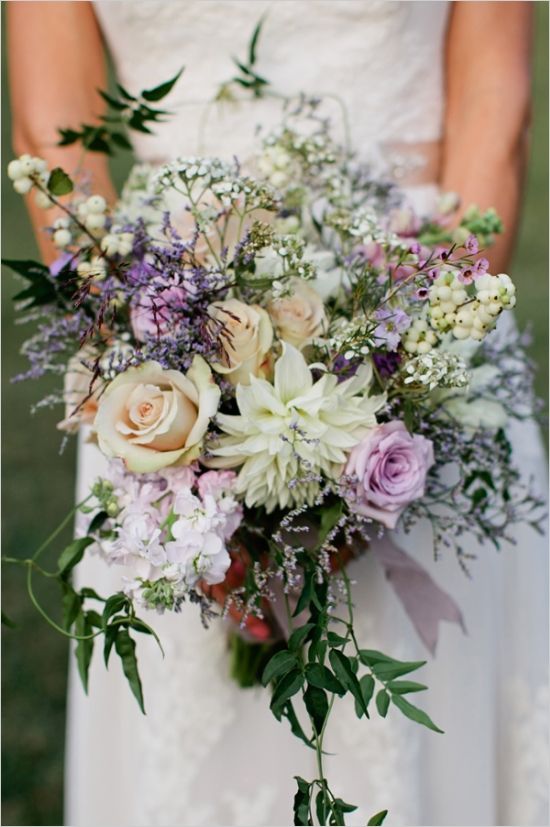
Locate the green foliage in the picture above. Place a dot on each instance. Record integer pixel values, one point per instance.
(59, 183)
(42, 288)
(125, 112)
(247, 78)
(378, 818)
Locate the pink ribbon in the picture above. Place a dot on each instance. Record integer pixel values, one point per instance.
(423, 600)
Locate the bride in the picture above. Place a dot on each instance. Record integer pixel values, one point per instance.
(441, 92)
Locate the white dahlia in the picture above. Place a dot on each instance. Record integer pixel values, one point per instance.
(290, 432)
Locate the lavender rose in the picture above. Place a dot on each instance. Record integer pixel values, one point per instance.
(390, 466)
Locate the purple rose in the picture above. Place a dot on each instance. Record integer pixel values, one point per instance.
(390, 466)
(151, 313)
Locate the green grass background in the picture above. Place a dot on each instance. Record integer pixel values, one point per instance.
(38, 483)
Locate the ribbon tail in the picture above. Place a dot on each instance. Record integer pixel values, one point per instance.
(423, 600)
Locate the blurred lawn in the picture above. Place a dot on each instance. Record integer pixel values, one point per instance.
(38, 483)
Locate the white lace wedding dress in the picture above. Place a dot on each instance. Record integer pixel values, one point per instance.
(208, 753)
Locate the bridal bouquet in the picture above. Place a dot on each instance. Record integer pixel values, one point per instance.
(281, 362)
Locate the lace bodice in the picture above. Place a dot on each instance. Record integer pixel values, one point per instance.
(381, 59)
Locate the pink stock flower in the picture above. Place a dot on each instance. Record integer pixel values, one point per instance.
(390, 466)
(216, 483)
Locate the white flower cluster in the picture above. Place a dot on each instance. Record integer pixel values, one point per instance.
(437, 369)
(469, 317)
(25, 172)
(169, 530)
(276, 165)
(419, 338)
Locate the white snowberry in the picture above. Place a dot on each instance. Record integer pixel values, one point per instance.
(62, 238)
(22, 185)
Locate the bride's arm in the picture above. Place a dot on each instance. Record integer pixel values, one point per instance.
(56, 65)
(488, 82)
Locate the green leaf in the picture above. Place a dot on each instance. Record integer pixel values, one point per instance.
(109, 638)
(6, 621)
(91, 593)
(367, 688)
(252, 49)
(71, 604)
(84, 649)
(113, 102)
(343, 807)
(41, 290)
(125, 648)
(295, 726)
(280, 664)
(336, 640)
(299, 635)
(59, 183)
(125, 93)
(288, 686)
(136, 122)
(344, 672)
(163, 89)
(94, 619)
(378, 818)
(389, 671)
(403, 687)
(329, 518)
(414, 713)
(121, 140)
(321, 677)
(321, 809)
(317, 705)
(306, 594)
(382, 702)
(115, 603)
(371, 656)
(73, 554)
(68, 137)
(97, 522)
(301, 802)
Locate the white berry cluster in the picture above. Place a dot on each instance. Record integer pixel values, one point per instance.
(117, 243)
(92, 213)
(470, 317)
(447, 295)
(25, 172)
(419, 338)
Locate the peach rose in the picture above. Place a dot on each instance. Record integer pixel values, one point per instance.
(299, 317)
(151, 417)
(245, 335)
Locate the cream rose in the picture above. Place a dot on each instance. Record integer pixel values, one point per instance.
(151, 417)
(299, 317)
(245, 336)
(80, 393)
